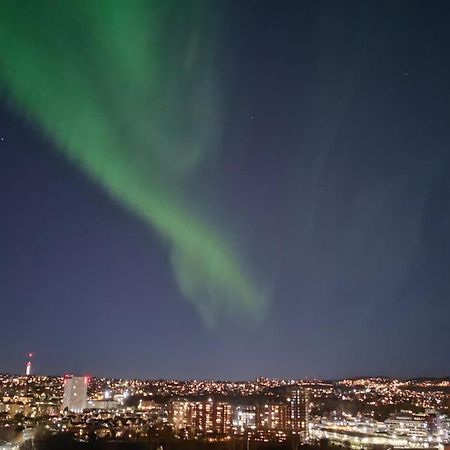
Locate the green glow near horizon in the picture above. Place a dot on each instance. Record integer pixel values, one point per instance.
(127, 91)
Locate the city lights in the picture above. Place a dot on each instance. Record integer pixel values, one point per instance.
(359, 413)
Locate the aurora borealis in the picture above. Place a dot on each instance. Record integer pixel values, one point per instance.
(225, 189)
(129, 93)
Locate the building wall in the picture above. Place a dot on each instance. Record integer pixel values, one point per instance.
(75, 394)
(298, 410)
(204, 416)
(271, 416)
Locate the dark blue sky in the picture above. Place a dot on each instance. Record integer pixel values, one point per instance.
(333, 171)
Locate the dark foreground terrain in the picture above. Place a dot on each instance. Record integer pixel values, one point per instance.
(68, 443)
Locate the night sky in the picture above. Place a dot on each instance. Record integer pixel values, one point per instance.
(208, 189)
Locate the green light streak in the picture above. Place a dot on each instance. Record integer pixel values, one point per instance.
(128, 92)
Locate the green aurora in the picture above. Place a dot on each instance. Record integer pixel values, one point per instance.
(127, 90)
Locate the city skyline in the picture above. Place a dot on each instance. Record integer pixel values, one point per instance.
(364, 412)
(28, 371)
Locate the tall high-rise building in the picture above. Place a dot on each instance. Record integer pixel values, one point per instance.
(271, 416)
(75, 394)
(180, 414)
(298, 411)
